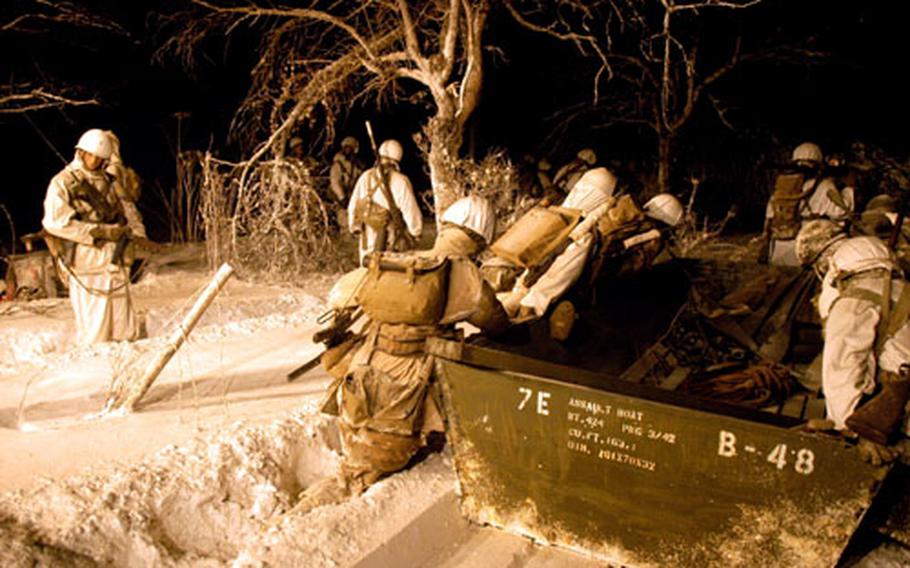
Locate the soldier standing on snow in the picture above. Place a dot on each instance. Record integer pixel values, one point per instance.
(345, 170)
(383, 210)
(343, 174)
(88, 232)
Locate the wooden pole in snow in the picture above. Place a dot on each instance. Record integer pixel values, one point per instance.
(130, 391)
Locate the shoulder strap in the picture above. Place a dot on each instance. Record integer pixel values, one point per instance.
(838, 199)
(900, 313)
(387, 193)
(884, 316)
(891, 318)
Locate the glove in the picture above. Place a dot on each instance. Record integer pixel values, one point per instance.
(108, 232)
(876, 454)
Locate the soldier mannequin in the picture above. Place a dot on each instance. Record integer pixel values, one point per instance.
(867, 341)
(369, 212)
(385, 408)
(85, 220)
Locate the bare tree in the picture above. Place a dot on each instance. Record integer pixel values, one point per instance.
(66, 22)
(316, 59)
(652, 68)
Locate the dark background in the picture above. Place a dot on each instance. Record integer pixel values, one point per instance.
(857, 94)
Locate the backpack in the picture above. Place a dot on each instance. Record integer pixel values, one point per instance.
(786, 200)
(404, 288)
(619, 218)
(536, 235)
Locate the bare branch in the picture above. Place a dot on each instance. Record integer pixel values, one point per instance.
(450, 36)
(24, 98)
(253, 10)
(579, 39)
(60, 14)
(695, 6)
(410, 35)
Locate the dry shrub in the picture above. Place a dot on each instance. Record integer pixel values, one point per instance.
(695, 232)
(182, 205)
(495, 178)
(272, 224)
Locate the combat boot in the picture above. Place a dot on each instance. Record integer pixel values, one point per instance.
(879, 419)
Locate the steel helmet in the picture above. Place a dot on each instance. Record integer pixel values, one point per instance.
(882, 202)
(294, 142)
(814, 238)
(475, 213)
(665, 208)
(807, 152)
(391, 149)
(350, 141)
(587, 156)
(860, 254)
(95, 142)
(591, 190)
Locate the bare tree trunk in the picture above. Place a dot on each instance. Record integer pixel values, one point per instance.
(664, 159)
(446, 136)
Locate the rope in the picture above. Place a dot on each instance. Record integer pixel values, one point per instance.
(94, 291)
(757, 385)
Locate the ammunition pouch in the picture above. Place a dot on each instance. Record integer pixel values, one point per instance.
(61, 249)
(402, 339)
(368, 212)
(375, 400)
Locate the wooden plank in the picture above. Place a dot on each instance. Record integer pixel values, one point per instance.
(637, 481)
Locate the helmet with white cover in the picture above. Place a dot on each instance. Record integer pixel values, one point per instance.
(883, 202)
(587, 156)
(95, 142)
(665, 208)
(807, 152)
(391, 149)
(474, 213)
(591, 190)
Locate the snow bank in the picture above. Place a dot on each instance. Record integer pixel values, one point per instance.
(221, 500)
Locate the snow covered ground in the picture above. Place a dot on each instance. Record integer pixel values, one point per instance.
(204, 474)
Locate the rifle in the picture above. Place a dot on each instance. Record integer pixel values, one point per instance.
(902, 203)
(397, 220)
(332, 336)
